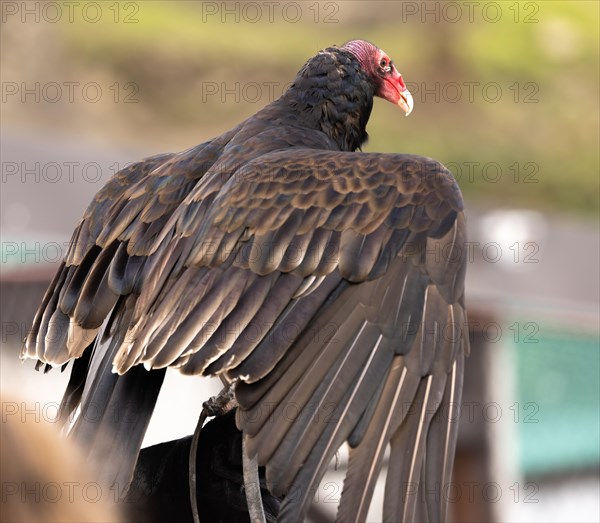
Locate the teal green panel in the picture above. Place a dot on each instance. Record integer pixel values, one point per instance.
(558, 391)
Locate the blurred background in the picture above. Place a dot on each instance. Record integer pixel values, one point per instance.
(506, 95)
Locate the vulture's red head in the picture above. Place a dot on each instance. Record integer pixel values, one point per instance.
(382, 71)
(334, 90)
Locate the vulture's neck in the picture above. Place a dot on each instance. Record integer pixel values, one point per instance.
(332, 94)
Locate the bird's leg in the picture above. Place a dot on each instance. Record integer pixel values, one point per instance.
(222, 403)
(256, 509)
(218, 405)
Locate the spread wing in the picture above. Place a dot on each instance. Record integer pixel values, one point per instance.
(330, 286)
(96, 287)
(109, 250)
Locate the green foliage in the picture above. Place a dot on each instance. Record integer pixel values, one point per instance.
(543, 55)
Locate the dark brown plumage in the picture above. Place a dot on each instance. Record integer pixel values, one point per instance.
(320, 280)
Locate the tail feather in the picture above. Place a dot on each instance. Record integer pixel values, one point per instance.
(114, 411)
(74, 390)
(441, 444)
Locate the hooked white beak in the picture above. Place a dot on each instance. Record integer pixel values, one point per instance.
(406, 102)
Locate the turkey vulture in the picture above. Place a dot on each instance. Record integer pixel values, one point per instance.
(326, 284)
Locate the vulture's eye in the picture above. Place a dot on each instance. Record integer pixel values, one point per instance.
(384, 64)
